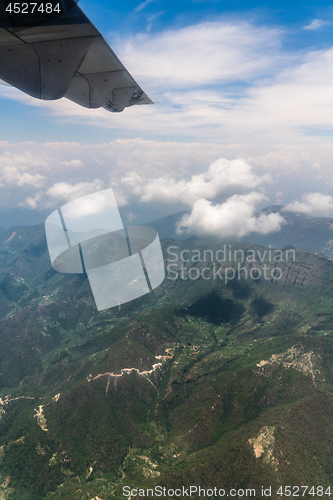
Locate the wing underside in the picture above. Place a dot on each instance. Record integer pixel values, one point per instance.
(67, 57)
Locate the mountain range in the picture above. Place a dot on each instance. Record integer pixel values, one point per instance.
(219, 378)
(300, 230)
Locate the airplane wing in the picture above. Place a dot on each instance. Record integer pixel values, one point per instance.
(60, 53)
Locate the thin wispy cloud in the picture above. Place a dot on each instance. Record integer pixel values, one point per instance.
(208, 53)
(315, 24)
(142, 6)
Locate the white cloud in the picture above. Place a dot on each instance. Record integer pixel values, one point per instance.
(66, 169)
(64, 191)
(315, 24)
(142, 6)
(234, 218)
(298, 97)
(99, 203)
(216, 81)
(11, 176)
(15, 170)
(228, 89)
(32, 202)
(222, 177)
(316, 204)
(61, 192)
(306, 166)
(206, 53)
(72, 164)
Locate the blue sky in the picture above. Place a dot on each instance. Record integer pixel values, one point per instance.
(123, 21)
(230, 80)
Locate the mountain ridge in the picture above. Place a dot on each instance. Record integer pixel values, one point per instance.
(314, 234)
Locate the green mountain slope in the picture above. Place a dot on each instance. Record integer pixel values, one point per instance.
(208, 380)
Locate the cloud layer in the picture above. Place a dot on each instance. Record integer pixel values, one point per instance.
(44, 176)
(222, 177)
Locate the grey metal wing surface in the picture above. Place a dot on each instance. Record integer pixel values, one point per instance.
(64, 56)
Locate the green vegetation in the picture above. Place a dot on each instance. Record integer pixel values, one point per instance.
(202, 382)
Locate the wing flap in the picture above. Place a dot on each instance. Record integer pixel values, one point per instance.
(79, 91)
(91, 91)
(20, 68)
(100, 85)
(59, 61)
(100, 59)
